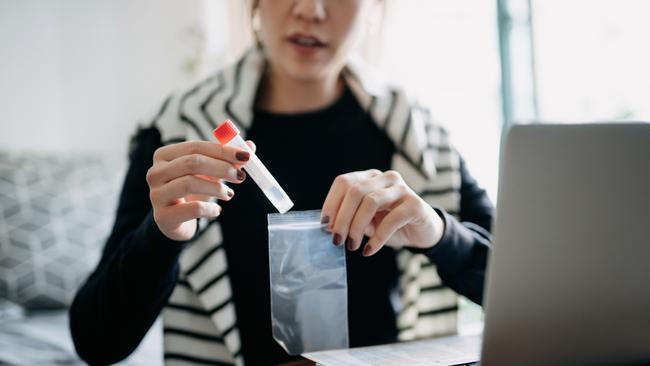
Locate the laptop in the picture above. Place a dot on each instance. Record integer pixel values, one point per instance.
(568, 279)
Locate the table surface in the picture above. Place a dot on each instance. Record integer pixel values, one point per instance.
(299, 363)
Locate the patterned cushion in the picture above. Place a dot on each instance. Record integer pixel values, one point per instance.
(55, 213)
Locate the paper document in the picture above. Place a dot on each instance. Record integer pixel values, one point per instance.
(440, 352)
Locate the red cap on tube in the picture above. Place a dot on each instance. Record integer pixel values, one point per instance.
(225, 132)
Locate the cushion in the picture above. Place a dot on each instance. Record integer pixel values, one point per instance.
(55, 214)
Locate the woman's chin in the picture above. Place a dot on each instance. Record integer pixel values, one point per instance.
(308, 71)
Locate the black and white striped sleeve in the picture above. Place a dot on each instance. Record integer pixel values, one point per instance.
(122, 298)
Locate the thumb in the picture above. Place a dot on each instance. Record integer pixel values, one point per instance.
(251, 145)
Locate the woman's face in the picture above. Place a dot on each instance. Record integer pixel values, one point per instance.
(310, 40)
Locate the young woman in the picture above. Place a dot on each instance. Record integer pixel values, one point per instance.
(390, 186)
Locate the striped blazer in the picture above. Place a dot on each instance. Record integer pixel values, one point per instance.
(200, 325)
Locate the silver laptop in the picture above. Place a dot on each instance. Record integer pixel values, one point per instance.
(569, 277)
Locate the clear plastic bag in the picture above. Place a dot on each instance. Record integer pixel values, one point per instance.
(309, 301)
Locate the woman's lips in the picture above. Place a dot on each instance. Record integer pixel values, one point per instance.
(306, 45)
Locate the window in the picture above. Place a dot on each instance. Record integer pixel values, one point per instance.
(592, 59)
(447, 53)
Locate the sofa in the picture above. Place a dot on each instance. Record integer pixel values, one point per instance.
(56, 211)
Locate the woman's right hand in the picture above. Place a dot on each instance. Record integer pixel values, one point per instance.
(183, 179)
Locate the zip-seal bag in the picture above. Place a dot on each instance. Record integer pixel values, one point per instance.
(309, 301)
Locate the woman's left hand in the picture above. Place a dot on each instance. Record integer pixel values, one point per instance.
(381, 206)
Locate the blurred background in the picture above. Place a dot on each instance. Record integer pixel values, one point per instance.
(77, 76)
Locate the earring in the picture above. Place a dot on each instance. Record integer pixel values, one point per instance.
(256, 21)
(256, 27)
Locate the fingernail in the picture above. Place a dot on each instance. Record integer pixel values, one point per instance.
(242, 155)
(230, 193)
(325, 219)
(350, 243)
(366, 250)
(241, 175)
(337, 239)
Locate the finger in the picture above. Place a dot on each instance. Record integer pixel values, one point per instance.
(208, 178)
(194, 164)
(198, 197)
(369, 231)
(353, 198)
(251, 145)
(337, 191)
(231, 154)
(372, 206)
(179, 188)
(192, 210)
(396, 219)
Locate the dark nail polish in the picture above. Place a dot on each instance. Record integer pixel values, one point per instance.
(337, 239)
(241, 175)
(230, 193)
(325, 220)
(350, 243)
(366, 250)
(242, 155)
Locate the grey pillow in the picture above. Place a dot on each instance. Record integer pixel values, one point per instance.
(55, 214)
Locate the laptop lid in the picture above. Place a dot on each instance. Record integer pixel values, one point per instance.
(569, 277)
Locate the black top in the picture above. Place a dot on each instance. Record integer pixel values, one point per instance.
(305, 152)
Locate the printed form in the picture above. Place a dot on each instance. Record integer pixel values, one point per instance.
(448, 351)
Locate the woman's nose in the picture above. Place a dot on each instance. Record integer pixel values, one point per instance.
(311, 10)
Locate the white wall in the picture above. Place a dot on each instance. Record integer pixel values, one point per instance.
(79, 74)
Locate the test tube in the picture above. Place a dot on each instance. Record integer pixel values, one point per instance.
(228, 134)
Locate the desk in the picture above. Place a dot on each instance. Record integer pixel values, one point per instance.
(299, 363)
